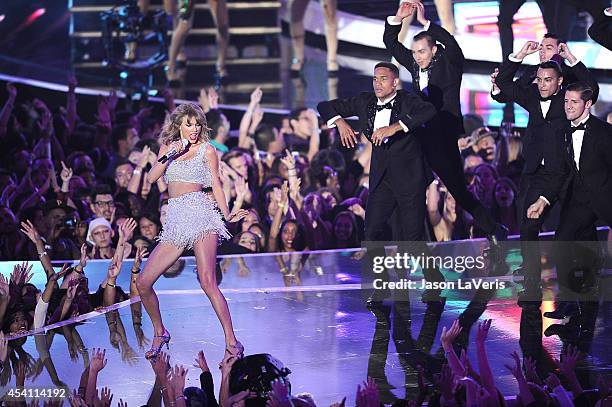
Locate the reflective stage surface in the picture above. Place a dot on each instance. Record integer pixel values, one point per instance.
(316, 322)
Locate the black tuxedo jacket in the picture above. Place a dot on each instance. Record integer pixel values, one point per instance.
(394, 159)
(528, 76)
(540, 130)
(601, 29)
(592, 183)
(445, 75)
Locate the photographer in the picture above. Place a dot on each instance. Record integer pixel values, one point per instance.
(58, 232)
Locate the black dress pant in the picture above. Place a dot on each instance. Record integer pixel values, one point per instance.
(557, 15)
(408, 200)
(443, 157)
(578, 255)
(529, 191)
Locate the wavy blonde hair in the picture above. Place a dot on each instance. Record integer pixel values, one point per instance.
(171, 131)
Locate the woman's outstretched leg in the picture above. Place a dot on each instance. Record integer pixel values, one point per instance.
(206, 252)
(297, 10)
(330, 8)
(218, 9)
(162, 257)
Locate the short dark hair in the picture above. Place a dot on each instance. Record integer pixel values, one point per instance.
(553, 36)
(264, 135)
(392, 67)
(424, 35)
(586, 92)
(101, 189)
(119, 133)
(123, 161)
(295, 113)
(214, 117)
(554, 65)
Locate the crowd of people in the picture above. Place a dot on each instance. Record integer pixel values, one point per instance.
(77, 182)
(459, 382)
(73, 190)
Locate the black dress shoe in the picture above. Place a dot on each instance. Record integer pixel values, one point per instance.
(564, 310)
(376, 298)
(567, 332)
(555, 329)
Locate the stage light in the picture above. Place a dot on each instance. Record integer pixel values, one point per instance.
(36, 14)
(2, 17)
(123, 75)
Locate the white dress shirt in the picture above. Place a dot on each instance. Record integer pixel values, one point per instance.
(545, 106)
(381, 119)
(423, 79)
(577, 138)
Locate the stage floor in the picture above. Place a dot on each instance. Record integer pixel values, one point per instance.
(320, 329)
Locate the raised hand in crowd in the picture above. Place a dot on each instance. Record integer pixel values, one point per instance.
(96, 364)
(200, 362)
(279, 396)
(567, 365)
(22, 274)
(76, 400)
(176, 380)
(66, 176)
(3, 348)
(239, 399)
(367, 395)
(516, 370)
(531, 373)
(161, 368)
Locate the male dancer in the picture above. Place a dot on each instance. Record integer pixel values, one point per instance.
(389, 118)
(436, 74)
(588, 198)
(549, 47)
(542, 172)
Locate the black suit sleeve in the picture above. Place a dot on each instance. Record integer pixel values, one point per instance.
(513, 91)
(415, 111)
(556, 165)
(207, 386)
(453, 50)
(601, 29)
(396, 48)
(340, 107)
(584, 75)
(525, 80)
(500, 97)
(605, 148)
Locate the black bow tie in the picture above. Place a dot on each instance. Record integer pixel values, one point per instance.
(388, 105)
(543, 99)
(423, 70)
(579, 127)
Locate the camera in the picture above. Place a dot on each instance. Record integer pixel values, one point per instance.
(255, 373)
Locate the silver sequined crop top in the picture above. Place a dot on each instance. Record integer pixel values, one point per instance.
(194, 170)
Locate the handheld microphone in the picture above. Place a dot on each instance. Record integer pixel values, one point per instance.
(173, 151)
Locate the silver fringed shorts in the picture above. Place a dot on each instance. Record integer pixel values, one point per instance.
(191, 216)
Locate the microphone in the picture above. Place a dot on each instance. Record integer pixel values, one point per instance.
(173, 151)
